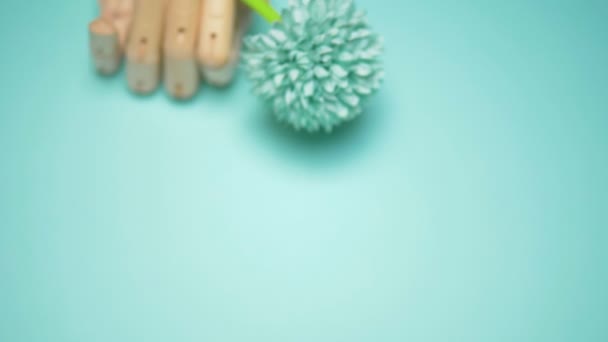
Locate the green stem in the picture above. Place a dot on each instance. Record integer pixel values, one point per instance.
(264, 9)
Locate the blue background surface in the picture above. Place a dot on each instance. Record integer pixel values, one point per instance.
(469, 203)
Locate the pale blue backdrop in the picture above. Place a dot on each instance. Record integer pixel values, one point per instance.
(468, 204)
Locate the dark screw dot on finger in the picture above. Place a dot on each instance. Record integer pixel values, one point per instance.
(179, 88)
(213, 35)
(143, 40)
(181, 30)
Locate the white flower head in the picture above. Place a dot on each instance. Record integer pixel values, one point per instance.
(316, 66)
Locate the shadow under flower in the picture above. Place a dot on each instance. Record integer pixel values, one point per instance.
(349, 143)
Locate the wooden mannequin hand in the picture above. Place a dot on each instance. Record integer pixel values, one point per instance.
(187, 37)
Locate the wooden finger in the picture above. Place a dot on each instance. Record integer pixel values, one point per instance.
(120, 14)
(144, 46)
(180, 66)
(104, 46)
(107, 34)
(221, 76)
(216, 32)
